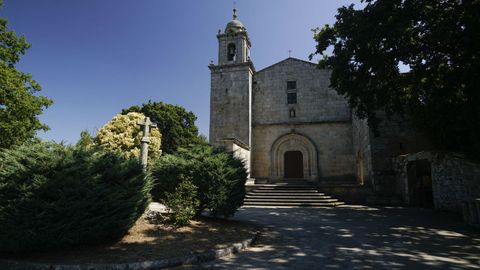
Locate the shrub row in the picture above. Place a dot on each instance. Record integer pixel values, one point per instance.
(53, 196)
(217, 178)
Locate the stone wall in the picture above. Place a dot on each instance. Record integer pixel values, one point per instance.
(454, 179)
(395, 137)
(333, 143)
(230, 103)
(351, 194)
(361, 148)
(316, 101)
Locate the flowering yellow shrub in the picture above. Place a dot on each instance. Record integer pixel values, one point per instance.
(123, 133)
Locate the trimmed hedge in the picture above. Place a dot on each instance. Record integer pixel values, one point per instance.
(217, 175)
(52, 196)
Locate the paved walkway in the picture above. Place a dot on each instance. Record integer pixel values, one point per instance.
(356, 238)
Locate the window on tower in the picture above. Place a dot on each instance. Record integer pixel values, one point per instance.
(231, 51)
(291, 85)
(291, 98)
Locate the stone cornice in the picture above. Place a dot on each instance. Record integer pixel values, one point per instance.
(249, 63)
(244, 33)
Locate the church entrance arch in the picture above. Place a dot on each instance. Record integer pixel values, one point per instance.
(293, 156)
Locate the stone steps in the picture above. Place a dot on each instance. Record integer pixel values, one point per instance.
(289, 204)
(279, 192)
(266, 199)
(288, 195)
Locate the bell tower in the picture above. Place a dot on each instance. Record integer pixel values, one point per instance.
(234, 44)
(231, 88)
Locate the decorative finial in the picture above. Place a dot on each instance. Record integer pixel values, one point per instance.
(234, 13)
(289, 53)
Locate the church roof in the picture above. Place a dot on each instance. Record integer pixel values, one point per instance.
(286, 60)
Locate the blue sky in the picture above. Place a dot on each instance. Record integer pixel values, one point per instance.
(94, 58)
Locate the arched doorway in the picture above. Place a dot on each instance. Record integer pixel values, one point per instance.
(293, 156)
(293, 164)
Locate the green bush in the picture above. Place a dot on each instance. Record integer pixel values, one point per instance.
(52, 196)
(184, 203)
(219, 177)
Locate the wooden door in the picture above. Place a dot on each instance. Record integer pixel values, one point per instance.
(293, 164)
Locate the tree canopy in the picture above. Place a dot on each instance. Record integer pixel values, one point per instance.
(437, 42)
(123, 134)
(19, 107)
(176, 124)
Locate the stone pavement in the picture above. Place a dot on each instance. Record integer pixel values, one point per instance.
(356, 237)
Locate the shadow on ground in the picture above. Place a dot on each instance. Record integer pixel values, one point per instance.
(147, 242)
(356, 238)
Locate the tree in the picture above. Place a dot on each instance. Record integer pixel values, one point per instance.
(437, 41)
(175, 123)
(19, 107)
(86, 140)
(123, 134)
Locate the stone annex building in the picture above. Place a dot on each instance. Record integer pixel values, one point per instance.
(289, 125)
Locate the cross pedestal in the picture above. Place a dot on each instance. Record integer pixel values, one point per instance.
(146, 124)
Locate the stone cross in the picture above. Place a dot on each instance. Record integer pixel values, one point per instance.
(146, 123)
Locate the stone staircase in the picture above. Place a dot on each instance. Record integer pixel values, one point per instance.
(288, 195)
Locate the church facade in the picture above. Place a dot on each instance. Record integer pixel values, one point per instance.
(288, 125)
(284, 120)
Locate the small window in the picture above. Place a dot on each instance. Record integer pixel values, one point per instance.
(291, 85)
(231, 51)
(293, 113)
(291, 98)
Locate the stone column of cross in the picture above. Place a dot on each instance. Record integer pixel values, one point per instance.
(146, 124)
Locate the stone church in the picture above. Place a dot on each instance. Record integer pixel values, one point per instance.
(285, 119)
(289, 125)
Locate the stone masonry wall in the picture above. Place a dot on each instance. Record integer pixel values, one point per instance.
(454, 181)
(333, 142)
(316, 101)
(230, 103)
(396, 137)
(362, 150)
